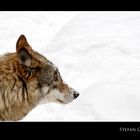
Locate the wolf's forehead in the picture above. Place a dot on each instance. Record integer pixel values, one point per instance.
(41, 57)
(44, 60)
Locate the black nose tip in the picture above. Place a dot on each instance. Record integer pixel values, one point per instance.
(75, 95)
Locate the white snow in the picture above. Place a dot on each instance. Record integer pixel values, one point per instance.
(97, 53)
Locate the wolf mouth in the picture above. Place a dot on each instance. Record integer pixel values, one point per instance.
(60, 101)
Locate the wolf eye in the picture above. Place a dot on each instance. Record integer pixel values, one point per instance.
(57, 76)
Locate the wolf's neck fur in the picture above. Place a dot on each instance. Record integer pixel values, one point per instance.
(17, 97)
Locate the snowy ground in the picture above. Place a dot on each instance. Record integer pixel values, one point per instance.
(98, 53)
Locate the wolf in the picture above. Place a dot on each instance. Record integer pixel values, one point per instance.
(27, 79)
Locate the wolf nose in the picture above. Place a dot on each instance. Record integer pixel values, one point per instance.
(75, 95)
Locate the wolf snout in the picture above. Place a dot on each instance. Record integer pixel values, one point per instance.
(75, 94)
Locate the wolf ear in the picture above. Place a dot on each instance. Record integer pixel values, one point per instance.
(23, 54)
(22, 42)
(24, 58)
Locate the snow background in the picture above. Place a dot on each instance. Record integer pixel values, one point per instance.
(97, 53)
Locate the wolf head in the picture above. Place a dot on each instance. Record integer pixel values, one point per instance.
(35, 67)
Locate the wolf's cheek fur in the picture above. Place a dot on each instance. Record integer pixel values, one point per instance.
(55, 95)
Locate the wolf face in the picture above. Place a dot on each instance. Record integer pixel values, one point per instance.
(48, 79)
(53, 87)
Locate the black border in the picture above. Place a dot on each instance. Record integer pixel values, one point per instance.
(61, 5)
(69, 130)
